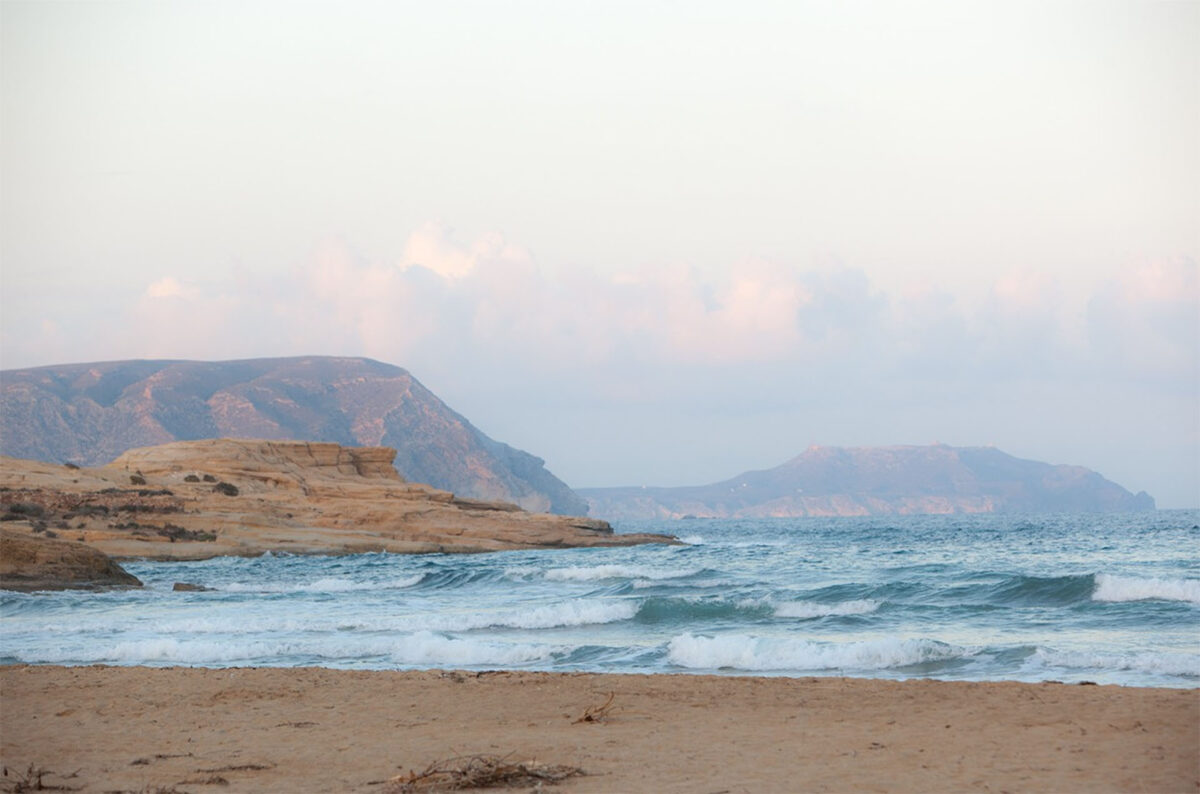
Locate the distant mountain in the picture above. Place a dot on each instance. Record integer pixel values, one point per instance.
(836, 481)
(89, 413)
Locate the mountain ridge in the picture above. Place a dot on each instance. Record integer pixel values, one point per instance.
(832, 481)
(89, 413)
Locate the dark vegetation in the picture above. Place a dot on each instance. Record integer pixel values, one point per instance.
(33, 779)
(124, 509)
(480, 771)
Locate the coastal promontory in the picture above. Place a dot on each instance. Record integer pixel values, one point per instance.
(90, 413)
(202, 499)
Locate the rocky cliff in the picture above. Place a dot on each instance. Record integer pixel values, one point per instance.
(836, 481)
(201, 499)
(88, 414)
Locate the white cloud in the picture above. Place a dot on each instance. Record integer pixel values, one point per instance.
(487, 306)
(673, 352)
(168, 287)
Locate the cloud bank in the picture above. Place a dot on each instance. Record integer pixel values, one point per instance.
(672, 375)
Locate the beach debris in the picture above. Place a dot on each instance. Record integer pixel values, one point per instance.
(479, 771)
(211, 780)
(597, 713)
(157, 757)
(238, 768)
(32, 780)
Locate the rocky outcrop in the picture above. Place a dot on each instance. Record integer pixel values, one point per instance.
(90, 413)
(40, 563)
(201, 499)
(838, 481)
(271, 463)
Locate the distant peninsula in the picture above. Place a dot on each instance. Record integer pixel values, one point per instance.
(864, 481)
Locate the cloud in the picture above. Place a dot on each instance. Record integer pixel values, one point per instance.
(763, 357)
(487, 306)
(1147, 322)
(168, 287)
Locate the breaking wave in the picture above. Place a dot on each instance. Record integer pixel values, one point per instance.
(1128, 588)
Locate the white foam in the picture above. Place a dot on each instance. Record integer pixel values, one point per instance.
(521, 572)
(418, 648)
(743, 652)
(328, 584)
(426, 648)
(594, 573)
(549, 616)
(693, 540)
(1128, 588)
(1180, 664)
(813, 609)
(578, 612)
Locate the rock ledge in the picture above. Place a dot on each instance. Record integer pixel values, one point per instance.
(201, 499)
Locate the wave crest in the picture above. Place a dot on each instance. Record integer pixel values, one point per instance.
(815, 609)
(1129, 588)
(593, 573)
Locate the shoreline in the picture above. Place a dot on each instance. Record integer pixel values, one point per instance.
(319, 729)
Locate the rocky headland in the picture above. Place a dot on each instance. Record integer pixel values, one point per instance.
(88, 414)
(199, 499)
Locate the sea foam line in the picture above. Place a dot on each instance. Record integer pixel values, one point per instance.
(1177, 664)
(594, 573)
(418, 648)
(1129, 588)
(328, 584)
(743, 652)
(814, 609)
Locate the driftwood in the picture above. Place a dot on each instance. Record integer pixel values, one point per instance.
(597, 713)
(478, 771)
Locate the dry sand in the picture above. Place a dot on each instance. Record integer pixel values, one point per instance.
(301, 730)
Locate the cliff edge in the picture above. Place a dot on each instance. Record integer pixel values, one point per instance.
(90, 413)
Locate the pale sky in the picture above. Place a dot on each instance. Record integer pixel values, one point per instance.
(652, 242)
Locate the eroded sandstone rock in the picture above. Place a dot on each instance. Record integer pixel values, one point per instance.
(29, 562)
(304, 498)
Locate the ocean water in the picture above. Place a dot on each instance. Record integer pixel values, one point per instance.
(1104, 598)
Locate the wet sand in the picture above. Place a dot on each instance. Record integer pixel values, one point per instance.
(107, 729)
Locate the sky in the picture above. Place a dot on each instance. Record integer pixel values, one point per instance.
(651, 242)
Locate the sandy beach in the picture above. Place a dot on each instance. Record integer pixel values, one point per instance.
(106, 729)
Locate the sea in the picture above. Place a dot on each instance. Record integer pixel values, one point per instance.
(1104, 598)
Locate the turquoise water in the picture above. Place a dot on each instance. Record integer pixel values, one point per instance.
(1104, 598)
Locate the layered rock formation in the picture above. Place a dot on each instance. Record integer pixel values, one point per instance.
(836, 481)
(89, 413)
(201, 499)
